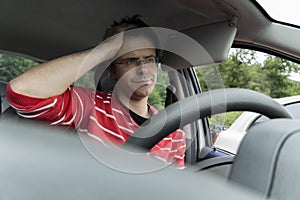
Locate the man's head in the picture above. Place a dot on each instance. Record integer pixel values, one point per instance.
(129, 23)
(124, 24)
(135, 68)
(135, 71)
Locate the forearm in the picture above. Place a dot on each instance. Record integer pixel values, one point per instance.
(54, 77)
(50, 78)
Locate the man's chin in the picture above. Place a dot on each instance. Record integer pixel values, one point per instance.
(142, 92)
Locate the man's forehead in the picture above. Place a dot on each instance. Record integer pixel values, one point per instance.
(136, 43)
(139, 53)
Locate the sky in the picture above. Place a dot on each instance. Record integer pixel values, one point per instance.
(285, 11)
(282, 10)
(294, 76)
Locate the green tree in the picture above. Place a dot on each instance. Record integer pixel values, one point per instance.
(158, 96)
(243, 70)
(276, 72)
(11, 66)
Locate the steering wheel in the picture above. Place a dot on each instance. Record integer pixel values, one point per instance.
(200, 106)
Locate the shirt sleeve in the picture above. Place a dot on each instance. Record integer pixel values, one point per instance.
(68, 109)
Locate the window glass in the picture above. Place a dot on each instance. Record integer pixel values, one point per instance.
(294, 109)
(11, 66)
(274, 76)
(158, 96)
(283, 11)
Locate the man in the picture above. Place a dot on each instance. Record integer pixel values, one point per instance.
(45, 92)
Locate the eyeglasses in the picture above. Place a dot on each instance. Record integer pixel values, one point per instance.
(133, 62)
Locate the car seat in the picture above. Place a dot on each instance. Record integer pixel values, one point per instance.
(268, 159)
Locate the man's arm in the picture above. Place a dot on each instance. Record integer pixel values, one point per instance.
(54, 77)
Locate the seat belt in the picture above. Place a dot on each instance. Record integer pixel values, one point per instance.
(170, 96)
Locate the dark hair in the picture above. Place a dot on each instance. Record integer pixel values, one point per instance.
(114, 28)
(125, 24)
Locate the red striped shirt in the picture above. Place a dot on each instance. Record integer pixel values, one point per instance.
(97, 114)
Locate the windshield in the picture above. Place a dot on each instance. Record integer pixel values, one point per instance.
(284, 11)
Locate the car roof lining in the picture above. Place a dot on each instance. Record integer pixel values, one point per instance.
(48, 30)
(57, 28)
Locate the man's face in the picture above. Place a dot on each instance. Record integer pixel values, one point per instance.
(136, 70)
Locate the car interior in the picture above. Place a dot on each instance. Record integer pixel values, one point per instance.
(42, 162)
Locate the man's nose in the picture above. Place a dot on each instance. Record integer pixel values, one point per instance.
(141, 68)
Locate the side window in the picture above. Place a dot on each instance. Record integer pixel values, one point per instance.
(294, 108)
(159, 94)
(265, 73)
(11, 66)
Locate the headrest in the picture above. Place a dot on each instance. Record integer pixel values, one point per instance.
(103, 80)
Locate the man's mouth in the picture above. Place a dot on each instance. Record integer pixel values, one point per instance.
(143, 80)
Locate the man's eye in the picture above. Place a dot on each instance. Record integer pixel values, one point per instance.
(129, 62)
(150, 60)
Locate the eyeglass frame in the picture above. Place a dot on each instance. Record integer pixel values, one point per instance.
(137, 62)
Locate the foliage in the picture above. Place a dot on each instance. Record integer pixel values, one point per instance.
(12, 66)
(277, 71)
(225, 118)
(243, 69)
(87, 80)
(158, 96)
